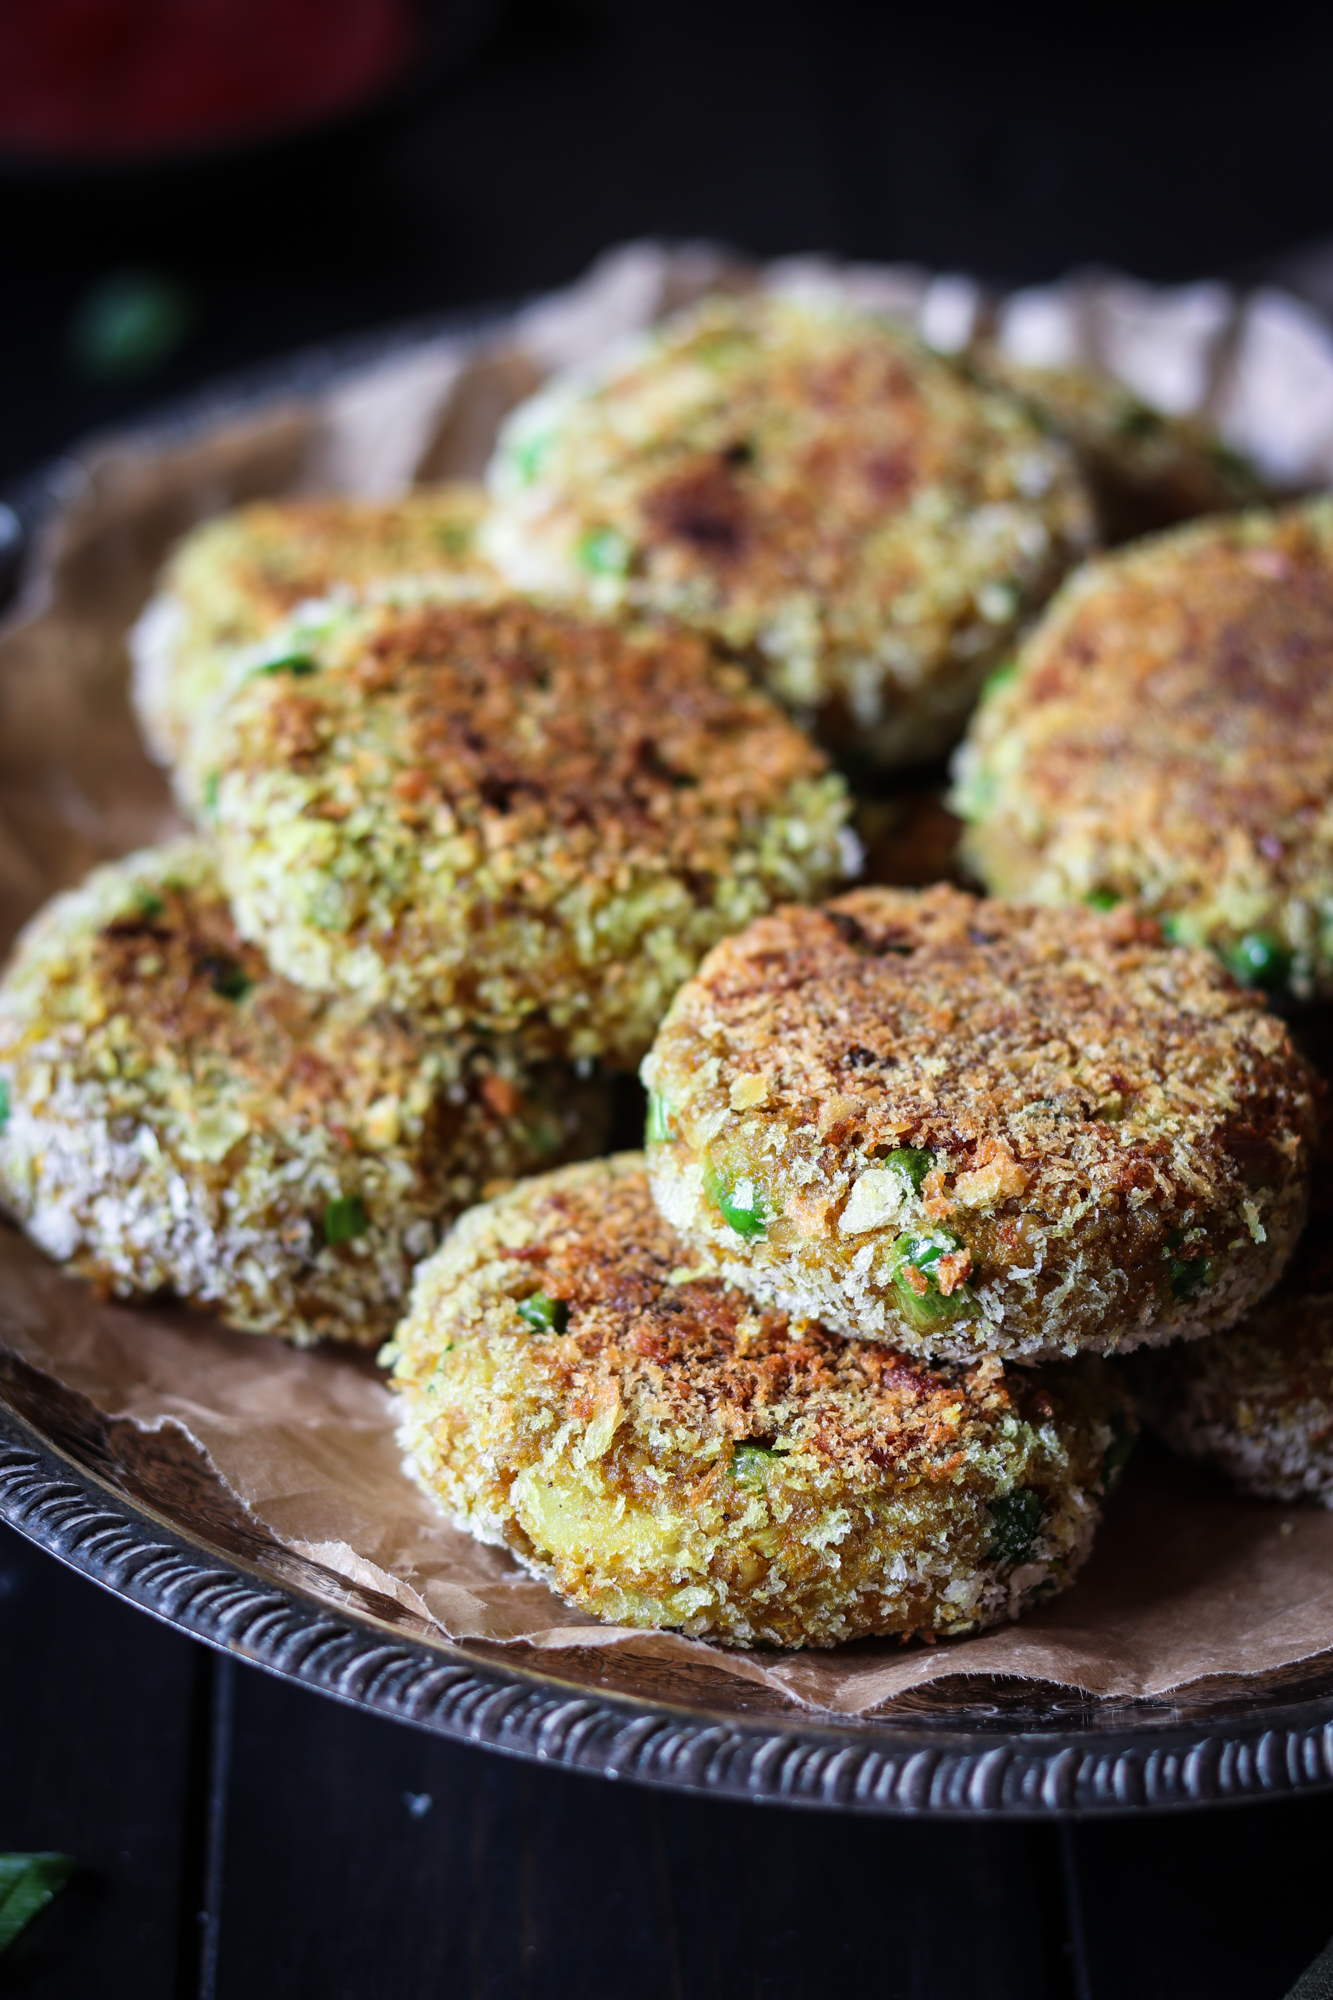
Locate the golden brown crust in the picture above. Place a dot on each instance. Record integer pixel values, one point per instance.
(234, 580)
(1147, 470)
(1080, 1098)
(1169, 737)
(507, 814)
(173, 1115)
(544, 723)
(810, 483)
(271, 556)
(713, 1360)
(1257, 1402)
(668, 1452)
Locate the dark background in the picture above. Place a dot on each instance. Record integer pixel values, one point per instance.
(238, 1838)
(982, 142)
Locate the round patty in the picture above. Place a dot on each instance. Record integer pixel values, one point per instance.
(232, 582)
(174, 1117)
(496, 814)
(665, 1452)
(971, 1127)
(1167, 737)
(807, 481)
(1146, 470)
(1257, 1402)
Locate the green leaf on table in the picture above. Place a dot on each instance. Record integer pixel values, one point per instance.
(28, 1882)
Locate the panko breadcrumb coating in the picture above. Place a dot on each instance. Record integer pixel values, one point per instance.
(808, 481)
(1167, 737)
(971, 1127)
(235, 580)
(1257, 1402)
(173, 1117)
(504, 815)
(664, 1452)
(1146, 470)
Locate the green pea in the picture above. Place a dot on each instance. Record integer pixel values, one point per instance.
(149, 905)
(540, 1310)
(658, 1128)
(913, 1162)
(750, 1462)
(739, 1201)
(604, 552)
(298, 664)
(344, 1218)
(4, 1102)
(1258, 959)
(1103, 899)
(1014, 1522)
(933, 1308)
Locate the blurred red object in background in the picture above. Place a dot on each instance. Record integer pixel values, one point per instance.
(113, 79)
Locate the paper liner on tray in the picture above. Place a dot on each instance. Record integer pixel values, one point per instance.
(295, 1451)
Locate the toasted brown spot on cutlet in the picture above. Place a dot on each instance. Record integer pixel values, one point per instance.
(668, 1452)
(1169, 738)
(502, 812)
(1042, 1064)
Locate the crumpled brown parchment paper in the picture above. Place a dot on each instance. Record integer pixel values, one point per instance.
(294, 1452)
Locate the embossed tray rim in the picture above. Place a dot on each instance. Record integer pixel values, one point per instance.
(902, 1764)
(1115, 1759)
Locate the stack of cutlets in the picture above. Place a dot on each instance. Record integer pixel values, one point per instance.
(498, 795)
(776, 1381)
(455, 850)
(825, 1362)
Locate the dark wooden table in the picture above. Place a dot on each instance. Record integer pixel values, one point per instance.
(239, 1839)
